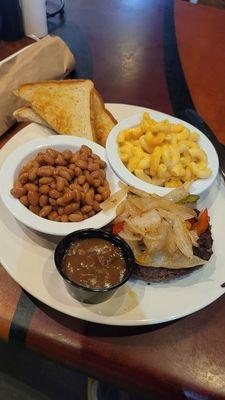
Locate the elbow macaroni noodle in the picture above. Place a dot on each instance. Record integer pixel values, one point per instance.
(162, 153)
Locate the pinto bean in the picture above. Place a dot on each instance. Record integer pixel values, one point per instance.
(43, 200)
(95, 174)
(75, 186)
(46, 180)
(102, 173)
(89, 179)
(60, 160)
(100, 189)
(83, 156)
(82, 197)
(86, 149)
(72, 166)
(53, 215)
(64, 218)
(53, 185)
(54, 194)
(92, 166)
(75, 157)
(82, 164)
(24, 178)
(48, 159)
(33, 198)
(24, 200)
(101, 163)
(105, 194)
(52, 152)
(31, 187)
(89, 197)
(39, 159)
(67, 154)
(52, 202)
(91, 213)
(45, 171)
(65, 174)
(71, 208)
(18, 192)
(81, 180)
(60, 183)
(72, 173)
(97, 182)
(78, 171)
(66, 198)
(44, 189)
(45, 211)
(76, 195)
(32, 174)
(105, 183)
(86, 209)
(98, 198)
(34, 209)
(18, 184)
(85, 187)
(75, 217)
(96, 206)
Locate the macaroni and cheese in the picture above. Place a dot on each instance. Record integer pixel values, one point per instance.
(162, 153)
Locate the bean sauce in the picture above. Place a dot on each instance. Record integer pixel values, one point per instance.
(94, 263)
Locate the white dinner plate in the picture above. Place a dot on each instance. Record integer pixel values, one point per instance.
(136, 303)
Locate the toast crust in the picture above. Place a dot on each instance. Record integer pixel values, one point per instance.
(103, 106)
(28, 115)
(104, 120)
(46, 83)
(92, 116)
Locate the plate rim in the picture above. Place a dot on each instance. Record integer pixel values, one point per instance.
(142, 322)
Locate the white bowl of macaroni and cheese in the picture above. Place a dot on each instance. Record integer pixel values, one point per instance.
(156, 152)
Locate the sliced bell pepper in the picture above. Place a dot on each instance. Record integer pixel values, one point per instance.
(202, 223)
(118, 227)
(191, 223)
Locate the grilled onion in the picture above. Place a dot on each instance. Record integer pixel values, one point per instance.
(155, 227)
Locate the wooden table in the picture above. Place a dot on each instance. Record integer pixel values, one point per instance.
(167, 56)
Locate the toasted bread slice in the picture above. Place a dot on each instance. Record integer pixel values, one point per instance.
(103, 119)
(28, 115)
(66, 106)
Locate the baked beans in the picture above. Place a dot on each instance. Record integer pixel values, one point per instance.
(63, 186)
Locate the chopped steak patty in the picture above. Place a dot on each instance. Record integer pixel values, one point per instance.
(151, 274)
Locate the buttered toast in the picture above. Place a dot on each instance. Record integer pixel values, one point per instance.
(66, 106)
(51, 105)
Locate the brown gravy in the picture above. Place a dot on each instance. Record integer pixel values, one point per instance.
(94, 263)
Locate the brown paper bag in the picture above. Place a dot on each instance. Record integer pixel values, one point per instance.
(49, 58)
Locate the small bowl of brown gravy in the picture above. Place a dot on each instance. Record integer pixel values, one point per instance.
(94, 264)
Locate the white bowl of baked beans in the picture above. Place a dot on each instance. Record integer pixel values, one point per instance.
(56, 185)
